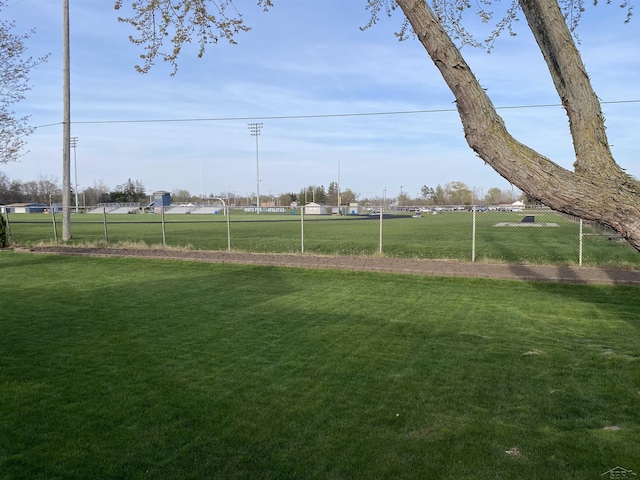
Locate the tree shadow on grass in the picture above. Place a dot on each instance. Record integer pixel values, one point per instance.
(613, 289)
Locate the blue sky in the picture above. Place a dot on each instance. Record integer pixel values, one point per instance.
(303, 58)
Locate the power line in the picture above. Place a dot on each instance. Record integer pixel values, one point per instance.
(303, 117)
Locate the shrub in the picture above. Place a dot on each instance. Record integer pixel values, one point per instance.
(4, 242)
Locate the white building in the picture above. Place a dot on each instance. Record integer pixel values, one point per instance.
(316, 209)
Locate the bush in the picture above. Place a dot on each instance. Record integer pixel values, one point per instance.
(4, 242)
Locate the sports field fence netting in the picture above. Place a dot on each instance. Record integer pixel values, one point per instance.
(531, 236)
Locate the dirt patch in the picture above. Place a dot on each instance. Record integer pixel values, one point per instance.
(437, 268)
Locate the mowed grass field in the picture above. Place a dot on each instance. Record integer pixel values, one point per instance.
(444, 236)
(128, 368)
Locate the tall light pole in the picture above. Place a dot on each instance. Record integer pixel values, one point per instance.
(254, 130)
(201, 189)
(66, 124)
(74, 144)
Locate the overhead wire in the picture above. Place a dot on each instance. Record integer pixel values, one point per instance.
(310, 116)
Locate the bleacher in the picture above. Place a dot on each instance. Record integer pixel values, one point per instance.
(102, 209)
(125, 210)
(116, 208)
(180, 209)
(208, 210)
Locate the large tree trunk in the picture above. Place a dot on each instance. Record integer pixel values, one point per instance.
(598, 189)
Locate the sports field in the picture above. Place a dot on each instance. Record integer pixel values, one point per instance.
(127, 368)
(499, 236)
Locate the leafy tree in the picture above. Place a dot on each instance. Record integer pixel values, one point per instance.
(128, 192)
(5, 185)
(180, 196)
(597, 189)
(439, 197)
(287, 199)
(348, 196)
(320, 194)
(305, 195)
(403, 199)
(493, 196)
(507, 196)
(14, 83)
(16, 192)
(332, 194)
(97, 193)
(313, 194)
(457, 193)
(428, 193)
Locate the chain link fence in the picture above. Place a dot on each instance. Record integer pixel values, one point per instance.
(531, 236)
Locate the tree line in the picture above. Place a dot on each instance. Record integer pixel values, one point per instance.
(47, 190)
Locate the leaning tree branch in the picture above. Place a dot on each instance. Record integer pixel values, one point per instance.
(586, 122)
(614, 202)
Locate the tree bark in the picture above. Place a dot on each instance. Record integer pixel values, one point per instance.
(598, 189)
(570, 78)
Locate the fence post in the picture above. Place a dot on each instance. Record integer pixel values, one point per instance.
(226, 213)
(227, 207)
(302, 228)
(580, 247)
(164, 233)
(380, 248)
(104, 220)
(55, 228)
(8, 232)
(473, 237)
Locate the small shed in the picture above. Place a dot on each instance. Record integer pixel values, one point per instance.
(316, 209)
(355, 209)
(161, 199)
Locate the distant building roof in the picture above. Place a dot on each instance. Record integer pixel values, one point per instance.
(26, 205)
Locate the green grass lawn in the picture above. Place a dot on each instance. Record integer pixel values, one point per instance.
(448, 235)
(126, 368)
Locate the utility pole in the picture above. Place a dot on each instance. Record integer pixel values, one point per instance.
(66, 125)
(254, 130)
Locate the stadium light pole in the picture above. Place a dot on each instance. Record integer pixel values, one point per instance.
(74, 144)
(254, 130)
